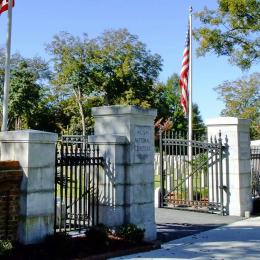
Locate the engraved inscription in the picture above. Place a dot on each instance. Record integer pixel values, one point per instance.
(142, 142)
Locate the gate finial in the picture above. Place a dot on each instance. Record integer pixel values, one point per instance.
(220, 138)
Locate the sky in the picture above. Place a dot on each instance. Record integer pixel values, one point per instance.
(160, 24)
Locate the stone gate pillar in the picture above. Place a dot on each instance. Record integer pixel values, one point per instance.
(35, 151)
(237, 172)
(126, 138)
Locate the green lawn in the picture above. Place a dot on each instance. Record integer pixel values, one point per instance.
(182, 190)
(156, 181)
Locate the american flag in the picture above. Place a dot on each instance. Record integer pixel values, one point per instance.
(184, 75)
(4, 5)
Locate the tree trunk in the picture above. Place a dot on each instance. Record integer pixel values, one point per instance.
(106, 100)
(82, 118)
(17, 123)
(78, 96)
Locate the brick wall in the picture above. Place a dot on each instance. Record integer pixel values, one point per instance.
(10, 179)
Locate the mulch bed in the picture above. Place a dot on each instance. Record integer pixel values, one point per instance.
(79, 248)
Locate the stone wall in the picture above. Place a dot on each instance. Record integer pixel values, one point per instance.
(10, 180)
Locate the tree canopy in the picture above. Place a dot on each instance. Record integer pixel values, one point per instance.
(115, 68)
(24, 95)
(231, 30)
(242, 99)
(166, 98)
(73, 59)
(28, 86)
(127, 68)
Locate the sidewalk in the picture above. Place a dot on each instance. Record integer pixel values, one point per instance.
(239, 240)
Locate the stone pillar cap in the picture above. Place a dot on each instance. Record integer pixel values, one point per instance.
(226, 121)
(255, 143)
(122, 110)
(28, 135)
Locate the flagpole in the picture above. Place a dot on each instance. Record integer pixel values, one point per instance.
(190, 179)
(7, 68)
(190, 79)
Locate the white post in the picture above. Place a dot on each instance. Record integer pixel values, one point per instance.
(190, 76)
(236, 166)
(7, 68)
(190, 108)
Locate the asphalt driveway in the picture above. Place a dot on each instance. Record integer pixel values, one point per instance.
(174, 224)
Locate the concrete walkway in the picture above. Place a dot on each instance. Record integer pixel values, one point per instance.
(239, 240)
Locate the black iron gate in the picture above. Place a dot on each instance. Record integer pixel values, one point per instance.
(191, 173)
(76, 184)
(255, 171)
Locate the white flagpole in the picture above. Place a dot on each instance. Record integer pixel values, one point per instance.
(190, 79)
(190, 179)
(7, 68)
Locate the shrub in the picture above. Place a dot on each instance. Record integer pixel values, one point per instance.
(6, 247)
(131, 233)
(98, 235)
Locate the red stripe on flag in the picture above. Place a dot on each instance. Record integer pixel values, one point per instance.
(4, 5)
(184, 76)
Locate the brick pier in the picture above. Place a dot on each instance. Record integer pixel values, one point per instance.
(10, 180)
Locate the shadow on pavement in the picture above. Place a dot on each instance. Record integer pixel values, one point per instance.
(239, 240)
(171, 231)
(173, 224)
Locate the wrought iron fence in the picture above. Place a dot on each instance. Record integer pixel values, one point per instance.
(191, 173)
(255, 171)
(78, 166)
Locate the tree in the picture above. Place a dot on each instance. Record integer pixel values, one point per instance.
(198, 127)
(35, 65)
(127, 69)
(167, 101)
(242, 99)
(29, 104)
(231, 30)
(24, 96)
(74, 66)
(115, 67)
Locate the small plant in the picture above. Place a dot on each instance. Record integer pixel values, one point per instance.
(98, 235)
(6, 247)
(131, 233)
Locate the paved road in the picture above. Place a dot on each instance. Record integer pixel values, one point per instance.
(193, 235)
(174, 224)
(238, 240)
